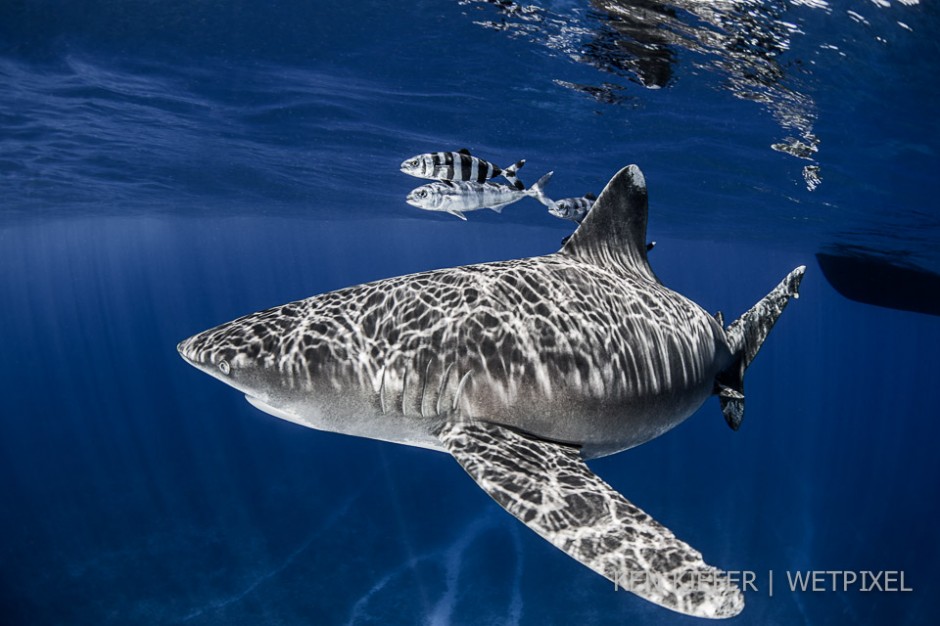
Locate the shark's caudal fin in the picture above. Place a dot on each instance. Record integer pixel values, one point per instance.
(745, 337)
(614, 231)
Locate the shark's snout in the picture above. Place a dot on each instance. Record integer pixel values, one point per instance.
(232, 353)
(185, 348)
(240, 353)
(201, 352)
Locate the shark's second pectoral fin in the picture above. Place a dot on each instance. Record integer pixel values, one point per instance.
(548, 487)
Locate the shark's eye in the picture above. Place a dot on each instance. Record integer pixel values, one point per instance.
(224, 367)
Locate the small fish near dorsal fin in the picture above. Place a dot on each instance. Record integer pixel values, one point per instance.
(614, 231)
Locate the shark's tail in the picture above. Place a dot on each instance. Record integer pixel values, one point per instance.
(745, 337)
(511, 173)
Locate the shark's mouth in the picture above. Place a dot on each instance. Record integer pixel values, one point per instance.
(261, 405)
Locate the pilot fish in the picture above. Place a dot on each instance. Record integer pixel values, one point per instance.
(573, 209)
(459, 166)
(455, 197)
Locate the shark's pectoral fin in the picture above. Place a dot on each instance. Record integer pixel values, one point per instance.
(549, 488)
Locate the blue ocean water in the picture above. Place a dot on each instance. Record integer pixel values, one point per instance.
(165, 167)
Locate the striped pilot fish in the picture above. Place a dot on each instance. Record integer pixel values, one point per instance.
(574, 209)
(457, 196)
(460, 165)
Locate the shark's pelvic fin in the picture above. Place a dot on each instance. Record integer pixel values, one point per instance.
(745, 337)
(614, 230)
(549, 488)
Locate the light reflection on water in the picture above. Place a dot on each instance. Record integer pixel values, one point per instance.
(745, 44)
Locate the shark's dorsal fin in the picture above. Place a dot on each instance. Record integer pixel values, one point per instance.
(614, 232)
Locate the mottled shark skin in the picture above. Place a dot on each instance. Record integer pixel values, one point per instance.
(521, 370)
(587, 519)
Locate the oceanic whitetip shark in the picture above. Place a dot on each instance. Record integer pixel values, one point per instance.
(521, 370)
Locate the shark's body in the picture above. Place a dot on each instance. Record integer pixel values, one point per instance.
(520, 369)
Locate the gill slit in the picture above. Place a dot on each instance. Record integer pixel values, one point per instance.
(440, 391)
(404, 388)
(460, 386)
(424, 387)
(382, 390)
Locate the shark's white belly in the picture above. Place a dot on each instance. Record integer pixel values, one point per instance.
(603, 414)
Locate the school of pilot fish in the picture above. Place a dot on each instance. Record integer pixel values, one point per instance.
(464, 183)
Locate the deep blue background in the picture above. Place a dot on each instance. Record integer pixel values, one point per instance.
(165, 167)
